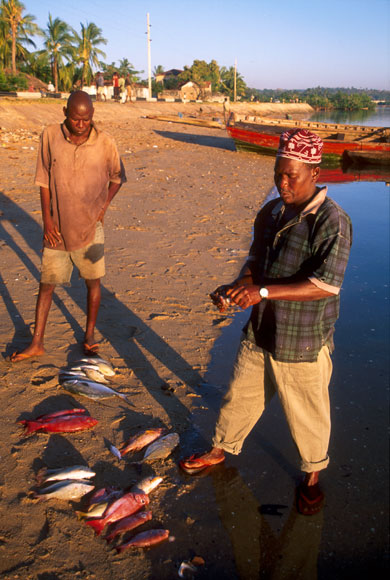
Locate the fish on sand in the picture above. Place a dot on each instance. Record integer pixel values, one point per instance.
(67, 489)
(138, 441)
(127, 524)
(72, 472)
(66, 421)
(126, 505)
(144, 540)
(92, 390)
(146, 485)
(105, 367)
(161, 448)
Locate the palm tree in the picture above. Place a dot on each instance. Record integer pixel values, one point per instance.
(158, 70)
(58, 37)
(227, 81)
(18, 28)
(86, 51)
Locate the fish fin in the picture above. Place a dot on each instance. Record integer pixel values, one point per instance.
(40, 476)
(115, 451)
(97, 525)
(81, 515)
(126, 399)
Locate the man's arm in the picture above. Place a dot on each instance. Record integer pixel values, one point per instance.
(50, 231)
(305, 291)
(113, 189)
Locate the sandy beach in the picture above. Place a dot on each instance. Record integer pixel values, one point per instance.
(178, 228)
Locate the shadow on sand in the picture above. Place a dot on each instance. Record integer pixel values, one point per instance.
(204, 140)
(128, 338)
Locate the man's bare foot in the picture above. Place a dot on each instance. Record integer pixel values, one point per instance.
(197, 463)
(29, 352)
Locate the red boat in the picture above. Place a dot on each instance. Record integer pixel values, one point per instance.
(261, 135)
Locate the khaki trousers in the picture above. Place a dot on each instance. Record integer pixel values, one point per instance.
(303, 390)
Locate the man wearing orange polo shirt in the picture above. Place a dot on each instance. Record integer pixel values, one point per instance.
(79, 171)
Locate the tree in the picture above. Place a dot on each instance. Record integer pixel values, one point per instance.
(17, 28)
(227, 82)
(58, 44)
(158, 70)
(86, 51)
(126, 68)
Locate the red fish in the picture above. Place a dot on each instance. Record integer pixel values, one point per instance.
(144, 540)
(105, 494)
(66, 421)
(142, 439)
(129, 523)
(120, 508)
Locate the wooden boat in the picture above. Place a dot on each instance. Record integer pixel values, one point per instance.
(187, 121)
(261, 135)
(363, 158)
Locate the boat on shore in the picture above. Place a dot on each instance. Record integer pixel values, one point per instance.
(261, 135)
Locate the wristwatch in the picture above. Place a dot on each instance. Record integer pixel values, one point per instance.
(263, 293)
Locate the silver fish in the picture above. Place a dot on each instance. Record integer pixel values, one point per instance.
(71, 374)
(92, 390)
(68, 489)
(95, 511)
(92, 372)
(161, 448)
(146, 485)
(73, 472)
(105, 367)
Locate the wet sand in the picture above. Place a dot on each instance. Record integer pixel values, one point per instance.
(179, 227)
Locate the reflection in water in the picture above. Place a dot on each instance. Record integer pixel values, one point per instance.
(258, 550)
(377, 118)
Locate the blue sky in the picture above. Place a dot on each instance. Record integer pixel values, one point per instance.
(277, 44)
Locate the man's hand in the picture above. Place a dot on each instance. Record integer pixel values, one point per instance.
(51, 233)
(220, 297)
(244, 296)
(101, 215)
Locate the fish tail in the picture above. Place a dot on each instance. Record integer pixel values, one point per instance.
(81, 515)
(126, 399)
(30, 426)
(97, 525)
(40, 476)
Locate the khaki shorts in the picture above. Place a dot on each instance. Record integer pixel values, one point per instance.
(57, 265)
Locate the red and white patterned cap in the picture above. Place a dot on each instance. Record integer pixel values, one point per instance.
(301, 145)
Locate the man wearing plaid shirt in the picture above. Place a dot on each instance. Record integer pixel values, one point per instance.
(292, 279)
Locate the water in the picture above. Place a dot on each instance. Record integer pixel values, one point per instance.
(378, 118)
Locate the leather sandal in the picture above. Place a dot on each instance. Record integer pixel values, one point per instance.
(196, 463)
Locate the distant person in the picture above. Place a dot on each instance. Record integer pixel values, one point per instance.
(115, 84)
(128, 88)
(226, 109)
(122, 89)
(100, 88)
(291, 279)
(79, 172)
(50, 87)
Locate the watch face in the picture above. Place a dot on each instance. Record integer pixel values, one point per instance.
(263, 292)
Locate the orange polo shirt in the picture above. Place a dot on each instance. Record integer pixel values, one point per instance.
(77, 177)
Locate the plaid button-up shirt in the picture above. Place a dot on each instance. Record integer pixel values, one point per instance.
(314, 245)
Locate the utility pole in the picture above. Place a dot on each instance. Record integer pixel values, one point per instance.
(149, 59)
(235, 81)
